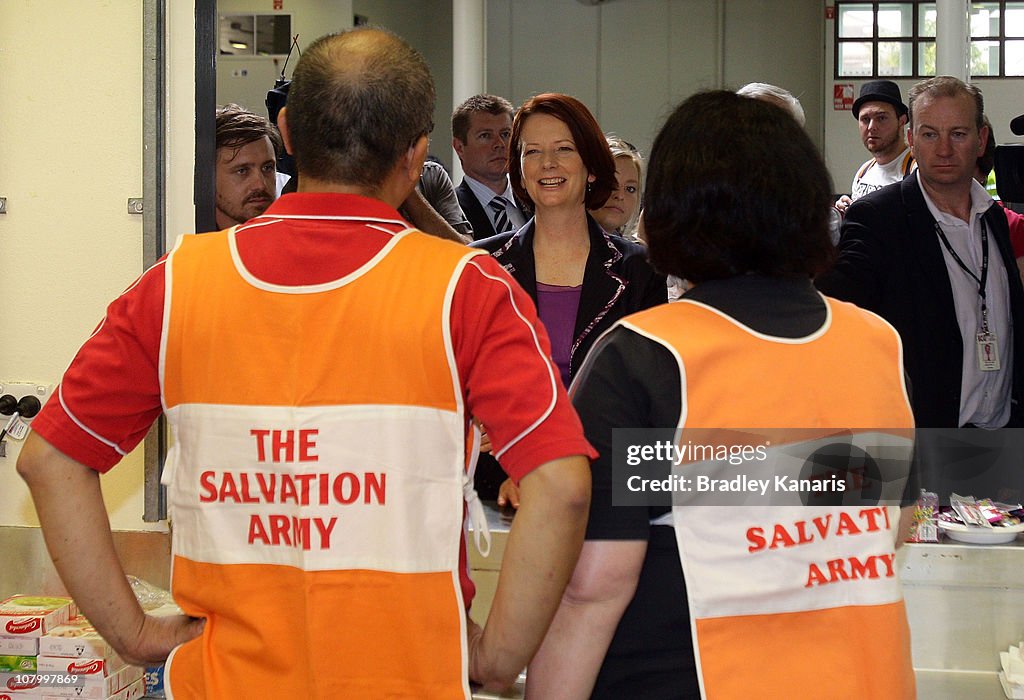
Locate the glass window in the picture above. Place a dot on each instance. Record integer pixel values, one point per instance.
(856, 21)
(237, 34)
(1014, 19)
(1015, 58)
(895, 58)
(855, 59)
(984, 19)
(273, 34)
(984, 58)
(251, 35)
(926, 14)
(926, 58)
(896, 19)
(888, 38)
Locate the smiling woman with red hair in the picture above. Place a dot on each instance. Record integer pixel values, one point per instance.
(581, 278)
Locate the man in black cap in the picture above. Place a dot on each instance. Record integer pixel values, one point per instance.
(882, 118)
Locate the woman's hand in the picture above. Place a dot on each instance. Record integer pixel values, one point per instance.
(508, 494)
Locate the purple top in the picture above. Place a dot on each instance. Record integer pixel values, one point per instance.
(557, 307)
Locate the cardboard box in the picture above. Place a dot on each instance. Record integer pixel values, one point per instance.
(18, 664)
(155, 682)
(33, 616)
(18, 684)
(76, 639)
(19, 646)
(80, 666)
(131, 692)
(97, 687)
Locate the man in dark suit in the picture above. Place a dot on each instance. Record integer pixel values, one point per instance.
(932, 256)
(481, 127)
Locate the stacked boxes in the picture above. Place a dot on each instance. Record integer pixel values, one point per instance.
(69, 658)
(24, 617)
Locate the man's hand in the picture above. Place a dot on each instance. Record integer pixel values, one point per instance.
(842, 203)
(158, 636)
(77, 532)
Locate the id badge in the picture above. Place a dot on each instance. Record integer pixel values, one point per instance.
(988, 352)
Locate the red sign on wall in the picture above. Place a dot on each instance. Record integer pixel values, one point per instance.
(842, 97)
(278, 4)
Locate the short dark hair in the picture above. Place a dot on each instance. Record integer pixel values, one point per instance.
(735, 186)
(491, 104)
(586, 134)
(237, 127)
(358, 100)
(948, 86)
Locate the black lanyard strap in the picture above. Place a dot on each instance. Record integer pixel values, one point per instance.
(963, 266)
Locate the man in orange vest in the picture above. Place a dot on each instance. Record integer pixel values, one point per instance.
(318, 365)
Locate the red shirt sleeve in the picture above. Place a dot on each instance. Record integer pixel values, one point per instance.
(509, 382)
(110, 394)
(1016, 224)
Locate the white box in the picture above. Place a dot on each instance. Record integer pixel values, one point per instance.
(95, 687)
(79, 666)
(78, 639)
(131, 692)
(19, 646)
(33, 616)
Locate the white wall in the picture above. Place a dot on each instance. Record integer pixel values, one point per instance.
(427, 26)
(633, 61)
(72, 156)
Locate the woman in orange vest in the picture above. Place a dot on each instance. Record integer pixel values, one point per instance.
(751, 552)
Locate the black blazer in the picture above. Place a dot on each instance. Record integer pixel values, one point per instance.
(617, 280)
(479, 219)
(891, 262)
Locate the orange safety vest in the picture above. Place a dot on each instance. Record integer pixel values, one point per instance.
(315, 484)
(791, 601)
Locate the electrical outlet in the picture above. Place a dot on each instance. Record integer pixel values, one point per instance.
(19, 390)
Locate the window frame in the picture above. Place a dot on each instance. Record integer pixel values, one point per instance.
(915, 39)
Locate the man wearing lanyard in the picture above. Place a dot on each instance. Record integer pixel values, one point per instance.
(932, 255)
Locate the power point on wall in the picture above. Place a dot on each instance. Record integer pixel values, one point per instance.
(360, 20)
(25, 398)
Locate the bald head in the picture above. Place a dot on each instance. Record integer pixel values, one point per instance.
(358, 101)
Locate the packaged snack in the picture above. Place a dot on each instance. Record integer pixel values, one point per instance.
(80, 666)
(923, 526)
(19, 646)
(989, 511)
(967, 508)
(17, 663)
(155, 682)
(95, 687)
(33, 616)
(78, 638)
(132, 691)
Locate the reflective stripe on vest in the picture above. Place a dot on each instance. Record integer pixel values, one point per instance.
(315, 484)
(795, 602)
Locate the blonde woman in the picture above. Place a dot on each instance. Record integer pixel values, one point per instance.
(620, 213)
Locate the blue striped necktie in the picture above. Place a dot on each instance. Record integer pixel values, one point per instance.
(501, 222)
